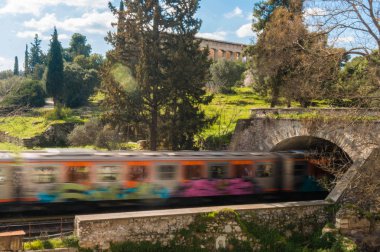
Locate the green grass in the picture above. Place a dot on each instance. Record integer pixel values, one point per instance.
(11, 147)
(227, 109)
(27, 126)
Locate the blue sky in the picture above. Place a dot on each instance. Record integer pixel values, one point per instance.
(20, 19)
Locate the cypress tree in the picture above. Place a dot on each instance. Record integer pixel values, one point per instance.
(26, 62)
(54, 78)
(15, 68)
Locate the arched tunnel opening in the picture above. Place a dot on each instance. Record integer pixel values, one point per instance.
(327, 160)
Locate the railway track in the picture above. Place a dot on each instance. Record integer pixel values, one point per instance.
(40, 227)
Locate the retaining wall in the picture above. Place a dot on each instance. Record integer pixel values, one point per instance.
(211, 231)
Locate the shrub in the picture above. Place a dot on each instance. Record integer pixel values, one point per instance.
(226, 74)
(86, 134)
(27, 93)
(58, 113)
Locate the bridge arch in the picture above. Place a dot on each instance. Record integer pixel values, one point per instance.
(358, 139)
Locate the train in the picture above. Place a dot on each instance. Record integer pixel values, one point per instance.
(71, 175)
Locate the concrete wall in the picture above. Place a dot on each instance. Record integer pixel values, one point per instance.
(177, 226)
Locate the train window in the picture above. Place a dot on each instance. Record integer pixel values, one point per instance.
(42, 175)
(243, 171)
(193, 171)
(137, 173)
(2, 176)
(108, 173)
(217, 171)
(264, 170)
(167, 172)
(300, 169)
(78, 174)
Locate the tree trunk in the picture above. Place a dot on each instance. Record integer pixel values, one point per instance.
(275, 94)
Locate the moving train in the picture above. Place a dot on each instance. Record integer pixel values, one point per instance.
(53, 176)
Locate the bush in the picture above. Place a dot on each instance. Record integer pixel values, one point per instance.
(58, 113)
(95, 133)
(27, 93)
(226, 74)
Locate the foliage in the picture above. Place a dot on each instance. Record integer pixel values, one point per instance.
(9, 84)
(54, 243)
(359, 80)
(94, 132)
(15, 68)
(226, 110)
(288, 60)
(28, 93)
(225, 74)
(94, 61)
(26, 61)
(36, 56)
(170, 91)
(6, 74)
(264, 9)
(58, 113)
(78, 46)
(79, 85)
(54, 77)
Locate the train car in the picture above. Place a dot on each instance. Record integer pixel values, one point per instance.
(57, 176)
(8, 176)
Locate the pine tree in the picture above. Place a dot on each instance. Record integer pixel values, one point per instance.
(54, 78)
(26, 62)
(15, 68)
(153, 36)
(36, 55)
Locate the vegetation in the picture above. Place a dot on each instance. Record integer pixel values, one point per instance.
(54, 77)
(159, 49)
(28, 93)
(225, 74)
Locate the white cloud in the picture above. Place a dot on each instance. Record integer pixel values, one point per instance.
(35, 7)
(92, 23)
(345, 39)
(245, 31)
(31, 34)
(220, 35)
(6, 64)
(237, 12)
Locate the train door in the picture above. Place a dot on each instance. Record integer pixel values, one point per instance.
(265, 175)
(167, 179)
(107, 185)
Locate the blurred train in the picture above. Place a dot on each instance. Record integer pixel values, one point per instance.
(56, 176)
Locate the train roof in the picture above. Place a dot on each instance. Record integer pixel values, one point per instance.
(80, 154)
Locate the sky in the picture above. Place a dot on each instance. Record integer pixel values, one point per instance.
(20, 20)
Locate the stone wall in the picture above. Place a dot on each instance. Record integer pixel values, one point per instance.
(200, 226)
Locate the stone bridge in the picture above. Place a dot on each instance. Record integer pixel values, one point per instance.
(223, 49)
(355, 132)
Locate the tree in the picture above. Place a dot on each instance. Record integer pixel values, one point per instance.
(78, 46)
(225, 74)
(151, 32)
(186, 73)
(78, 85)
(95, 61)
(291, 61)
(263, 11)
(354, 19)
(26, 62)
(54, 77)
(36, 55)
(15, 68)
